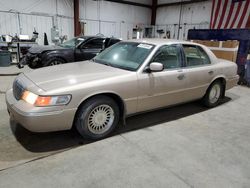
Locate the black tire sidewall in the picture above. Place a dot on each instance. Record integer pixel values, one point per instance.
(54, 59)
(83, 114)
(33, 66)
(206, 100)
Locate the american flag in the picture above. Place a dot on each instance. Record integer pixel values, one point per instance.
(230, 14)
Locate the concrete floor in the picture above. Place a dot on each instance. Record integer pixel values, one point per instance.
(183, 146)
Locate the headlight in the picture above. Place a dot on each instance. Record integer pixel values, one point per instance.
(37, 100)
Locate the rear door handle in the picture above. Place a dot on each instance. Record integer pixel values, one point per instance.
(181, 76)
(211, 72)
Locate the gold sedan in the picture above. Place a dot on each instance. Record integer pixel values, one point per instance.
(125, 79)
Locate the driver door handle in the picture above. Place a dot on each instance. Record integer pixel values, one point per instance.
(181, 76)
(211, 72)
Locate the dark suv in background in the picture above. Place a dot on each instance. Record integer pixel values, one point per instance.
(76, 49)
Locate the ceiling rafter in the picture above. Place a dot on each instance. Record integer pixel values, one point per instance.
(184, 2)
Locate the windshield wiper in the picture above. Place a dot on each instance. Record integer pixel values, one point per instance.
(108, 64)
(111, 65)
(122, 67)
(101, 62)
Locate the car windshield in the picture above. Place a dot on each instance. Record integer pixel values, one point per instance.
(72, 43)
(125, 55)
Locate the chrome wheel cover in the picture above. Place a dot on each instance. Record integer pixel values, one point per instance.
(55, 63)
(100, 119)
(215, 93)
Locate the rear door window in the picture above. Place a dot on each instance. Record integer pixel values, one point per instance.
(195, 56)
(94, 44)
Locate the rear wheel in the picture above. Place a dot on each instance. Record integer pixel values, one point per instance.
(214, 94)
(97, 117)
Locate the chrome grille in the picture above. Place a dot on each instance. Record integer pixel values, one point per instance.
(18, 89)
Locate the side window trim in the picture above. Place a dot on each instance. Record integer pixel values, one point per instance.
(200, 49)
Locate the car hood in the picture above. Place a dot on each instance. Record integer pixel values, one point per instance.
(61, 77)
(40, 49)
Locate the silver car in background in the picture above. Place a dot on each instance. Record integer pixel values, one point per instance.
(125, 79)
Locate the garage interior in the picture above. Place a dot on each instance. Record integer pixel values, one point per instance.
(182, 146)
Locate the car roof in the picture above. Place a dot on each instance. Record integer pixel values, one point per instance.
(95, 36)
(159, 41)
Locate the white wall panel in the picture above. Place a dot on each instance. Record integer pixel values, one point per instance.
(28, 6)
(89, 9)
(126, 30)
(42, 24)
(191, 13)
(65, 7)
(91, 27)
(195, 15)
(8, 23)
(120, 12)
(38, 14)
(111, 19)
(109, 29)
(66, 26)
(114, 17)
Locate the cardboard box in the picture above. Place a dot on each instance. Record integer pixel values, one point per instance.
(208, 43)
(230, 44)
(228, 55)
(212, 43)
(222, 49)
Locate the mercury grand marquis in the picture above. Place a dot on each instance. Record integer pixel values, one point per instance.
(125, 79)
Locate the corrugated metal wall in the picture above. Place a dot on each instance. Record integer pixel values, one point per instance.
(111, 19)
(108, 18)
(195, 15)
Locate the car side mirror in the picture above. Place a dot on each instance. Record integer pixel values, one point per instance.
(155, 67)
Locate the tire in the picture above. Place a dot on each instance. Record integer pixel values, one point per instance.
(54, 61)
(97, 118)
(213, 95)
(33, 65)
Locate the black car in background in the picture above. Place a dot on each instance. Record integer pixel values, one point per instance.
(76, 49)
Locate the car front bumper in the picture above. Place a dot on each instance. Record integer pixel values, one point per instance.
(39, 119)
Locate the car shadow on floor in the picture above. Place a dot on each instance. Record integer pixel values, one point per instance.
(62, 140)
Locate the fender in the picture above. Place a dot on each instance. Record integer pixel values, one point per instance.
(67, 55)
(124, 107)
(218, 76)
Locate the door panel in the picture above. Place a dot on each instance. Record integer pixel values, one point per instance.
(199, 71)
(160, 89)
(198, 80)
(85, 54)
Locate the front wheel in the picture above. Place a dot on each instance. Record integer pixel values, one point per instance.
(55, 61)
(97, 117)
(213, 95)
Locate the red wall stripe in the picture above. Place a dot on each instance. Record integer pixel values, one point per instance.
(223, 14)
(229, 15)
(236, 14)
(216, 13)
(212, 13)
(243, 14)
